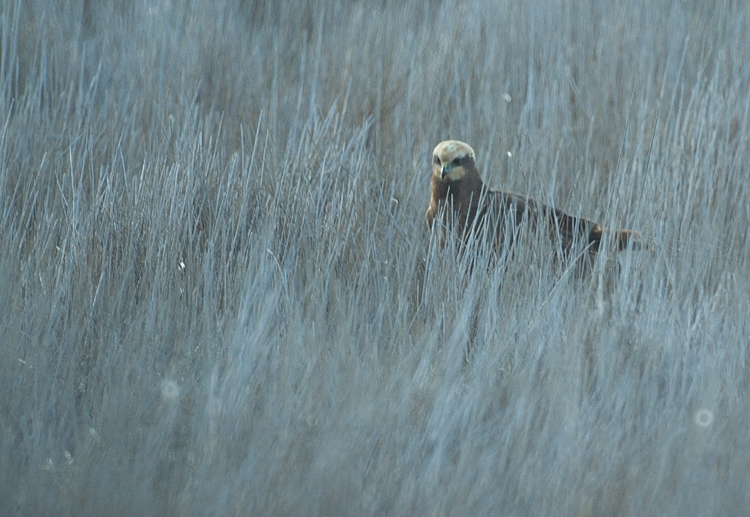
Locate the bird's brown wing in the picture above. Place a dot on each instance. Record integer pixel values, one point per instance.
(570, 230)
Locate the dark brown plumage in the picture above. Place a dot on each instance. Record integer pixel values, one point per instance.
(470, 209)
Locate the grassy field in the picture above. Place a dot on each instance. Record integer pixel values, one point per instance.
(218, 295)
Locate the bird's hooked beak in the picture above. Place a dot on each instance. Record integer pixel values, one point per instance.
(445, 170)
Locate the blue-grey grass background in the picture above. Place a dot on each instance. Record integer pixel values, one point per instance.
(218, 296)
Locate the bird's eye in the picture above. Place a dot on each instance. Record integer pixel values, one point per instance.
(457, 160)
(436, 160)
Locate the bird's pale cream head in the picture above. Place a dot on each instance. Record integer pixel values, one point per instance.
(450, 158)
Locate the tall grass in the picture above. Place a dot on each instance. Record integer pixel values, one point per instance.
(218, 295)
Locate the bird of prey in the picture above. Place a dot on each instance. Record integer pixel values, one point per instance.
(461, 203)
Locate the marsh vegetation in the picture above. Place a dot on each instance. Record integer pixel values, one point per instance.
(218, 295)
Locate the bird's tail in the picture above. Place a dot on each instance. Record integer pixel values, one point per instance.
(622, 238)
(630, 239)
